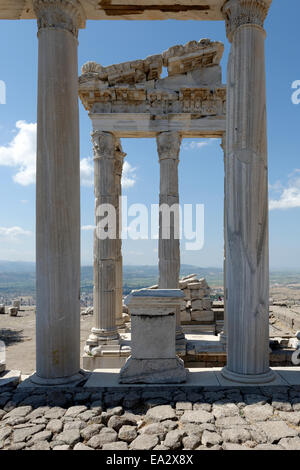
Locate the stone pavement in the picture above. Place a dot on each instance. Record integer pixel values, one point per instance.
(207, 418)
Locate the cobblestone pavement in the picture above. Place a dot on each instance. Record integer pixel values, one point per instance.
(265, 418)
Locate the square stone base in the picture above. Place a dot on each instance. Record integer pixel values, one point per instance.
(103, 362)
(153, 371)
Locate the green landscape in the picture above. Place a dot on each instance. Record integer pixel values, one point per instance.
(19, 278)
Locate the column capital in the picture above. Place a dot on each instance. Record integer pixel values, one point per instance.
(104, 144)
(67, 15)
(168, 145)
(119, 158)
(244, 12)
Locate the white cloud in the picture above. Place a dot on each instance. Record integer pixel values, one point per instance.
(21, 153)
(289, 195)
(87, 172)
(128, 175)
(13, 232)
(194, 144)
(87, 227)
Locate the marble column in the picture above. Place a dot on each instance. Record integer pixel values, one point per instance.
(104, 334)
(246, 195)
(119, 159)
(223, 334)
(58, 193)
(168, 147)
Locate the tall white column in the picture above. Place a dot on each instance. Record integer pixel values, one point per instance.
(223, 334)
(104, 333)
(58, 193)
(246, 196)
(168, 147)
(119, 159)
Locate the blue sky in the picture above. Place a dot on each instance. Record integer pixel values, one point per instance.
(201, 162)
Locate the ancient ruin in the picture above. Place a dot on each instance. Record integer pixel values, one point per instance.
(132, 100)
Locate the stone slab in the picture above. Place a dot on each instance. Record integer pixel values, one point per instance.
(10, 377)
(291, 375)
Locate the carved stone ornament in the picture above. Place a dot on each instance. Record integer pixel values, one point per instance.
(103, 144)
(168, 145)
(60, 14)
(241, 12)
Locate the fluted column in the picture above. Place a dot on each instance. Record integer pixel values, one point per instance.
(119, 159)
(246, 195)
(168, 147)
(105, 331)
(58, 193)
(223, 334)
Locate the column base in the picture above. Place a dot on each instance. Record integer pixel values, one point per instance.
(248, 378)
(72, 379)
(153, 371)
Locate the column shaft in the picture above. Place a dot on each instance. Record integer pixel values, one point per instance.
(246, 196)
(119, 157)
(168, 146)
(57, 194)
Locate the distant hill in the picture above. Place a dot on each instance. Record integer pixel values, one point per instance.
(19, 277)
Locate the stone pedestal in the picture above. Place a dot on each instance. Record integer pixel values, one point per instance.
(153, 325)
(58, 193)
(246, 196)
(168, 147)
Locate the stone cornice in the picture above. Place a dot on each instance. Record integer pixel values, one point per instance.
(60, 14)
(243, 12)
(168, 145)
(200, 101)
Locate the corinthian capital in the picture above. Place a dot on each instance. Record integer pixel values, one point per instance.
(241, 12)
(60, 14)
(104, 144)
(168, 145)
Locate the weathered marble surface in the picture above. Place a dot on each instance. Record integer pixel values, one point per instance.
(57, 195)
(153, 329)
(246, 196)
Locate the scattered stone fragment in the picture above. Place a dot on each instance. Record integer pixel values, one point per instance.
(90, 431)
(144, 442)
(70, 437)
(41, 445)
(256, 413)
(55, 425)
(211, 438)
(184, 405)
(75, 410)
(55, 413)
(115, 446)
(276, 431)
(159, 429)
(160, 413)
(21, 435)
(127, 433)
(191, 441)
(174, 438)
(292, 443)
(81, 446)
(225, 410)
(197, 416)
(236, 435)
